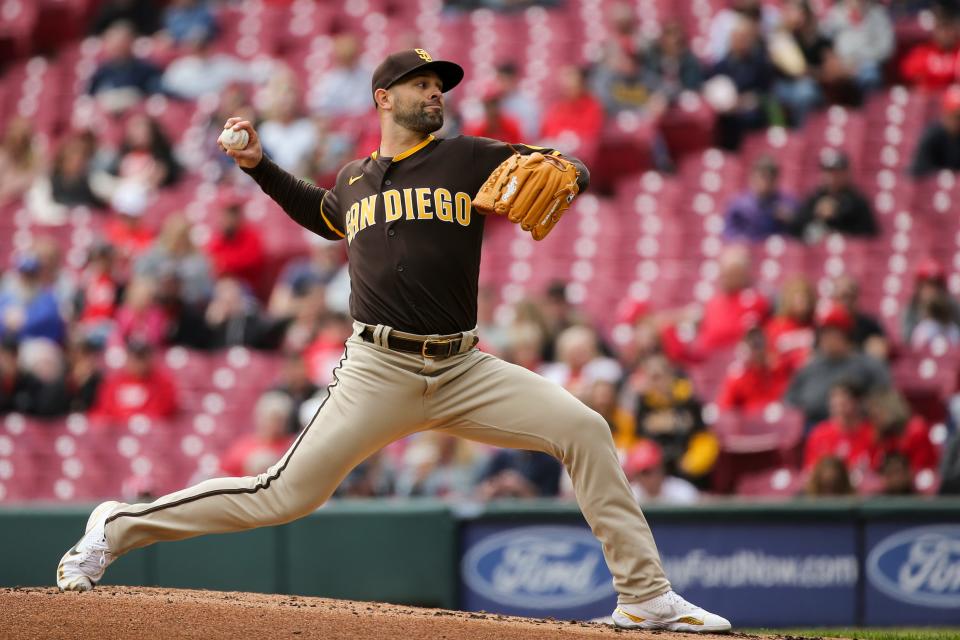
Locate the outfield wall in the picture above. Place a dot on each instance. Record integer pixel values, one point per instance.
(888, 562)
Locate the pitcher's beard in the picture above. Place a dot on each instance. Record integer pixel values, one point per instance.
(419, 119)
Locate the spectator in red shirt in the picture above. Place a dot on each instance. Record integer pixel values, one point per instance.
(255, 452)
(900, 433)
(847, 433)
(935, 64)
(736, 307)
(139, 388)
(127, 231)
(791, 333)
(142, 317)
(574, 120)
(756, 379)
(236, 249)
(495, 123)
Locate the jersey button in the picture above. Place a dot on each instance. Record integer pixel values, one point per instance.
(388, 182)
(400, 267)
(392, 232)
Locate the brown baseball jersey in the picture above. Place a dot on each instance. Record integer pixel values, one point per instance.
(413, 236)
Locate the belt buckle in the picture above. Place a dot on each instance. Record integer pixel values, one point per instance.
(423, 348)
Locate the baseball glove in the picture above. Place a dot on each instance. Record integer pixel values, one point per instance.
(532, 191)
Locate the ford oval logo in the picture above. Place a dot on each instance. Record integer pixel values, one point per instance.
(920, 566)
(544, 567)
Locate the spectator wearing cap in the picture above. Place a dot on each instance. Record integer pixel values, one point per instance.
(123, 78)
(235, 247)
(343, 90)
(836, 205)
(255, 452)
(174, 252)
(900, 432)
(574, 120)
(932, 312)
(791, 332)
(140, 387)
(494, 123)
(764, 209)
(863, 40)
(939, 147)
(127, 231)
(847, 433)
(756, 378)
(935, 64)
(29, 307)
(517, 103)
(648, 477)
(835, 359)
(669, 414)
(868, 334)
(736, 307)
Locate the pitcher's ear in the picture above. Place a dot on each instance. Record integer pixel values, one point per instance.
(383, 99)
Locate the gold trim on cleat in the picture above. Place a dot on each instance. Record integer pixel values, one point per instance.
(691, 620)
(632, 617)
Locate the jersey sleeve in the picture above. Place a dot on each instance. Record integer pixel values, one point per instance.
(310, 206)
(488, 153)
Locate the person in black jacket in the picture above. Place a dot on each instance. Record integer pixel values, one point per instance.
(836, 205)
(939, 146)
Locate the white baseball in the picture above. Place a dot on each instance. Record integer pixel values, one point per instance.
(236, 140)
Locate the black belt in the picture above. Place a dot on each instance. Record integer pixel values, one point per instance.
(435, 348)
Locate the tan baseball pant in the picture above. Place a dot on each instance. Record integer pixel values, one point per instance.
(379, 396)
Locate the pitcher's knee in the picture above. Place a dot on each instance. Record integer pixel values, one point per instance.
(284, 503)
(590, 431)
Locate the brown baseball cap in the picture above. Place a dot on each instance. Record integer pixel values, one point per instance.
(399, 64)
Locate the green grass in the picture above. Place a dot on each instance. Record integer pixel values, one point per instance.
(871, 634)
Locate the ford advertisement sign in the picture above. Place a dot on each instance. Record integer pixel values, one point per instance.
(913, 574)
(555, 570)
(754, 574)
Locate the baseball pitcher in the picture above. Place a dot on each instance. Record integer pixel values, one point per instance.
(412, 215)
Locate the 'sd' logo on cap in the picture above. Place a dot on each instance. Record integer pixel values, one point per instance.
(423, 54)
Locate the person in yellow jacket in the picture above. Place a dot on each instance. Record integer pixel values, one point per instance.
(669, 413)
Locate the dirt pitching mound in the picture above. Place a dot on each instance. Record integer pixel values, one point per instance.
(139, 612)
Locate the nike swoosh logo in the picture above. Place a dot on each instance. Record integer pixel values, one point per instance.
(354, 179)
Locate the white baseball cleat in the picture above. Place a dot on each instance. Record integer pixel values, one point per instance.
(82, 567)
(668, 611)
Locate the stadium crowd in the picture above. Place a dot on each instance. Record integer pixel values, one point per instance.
(817, 364)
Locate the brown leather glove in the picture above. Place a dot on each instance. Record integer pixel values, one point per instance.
(532, 191)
